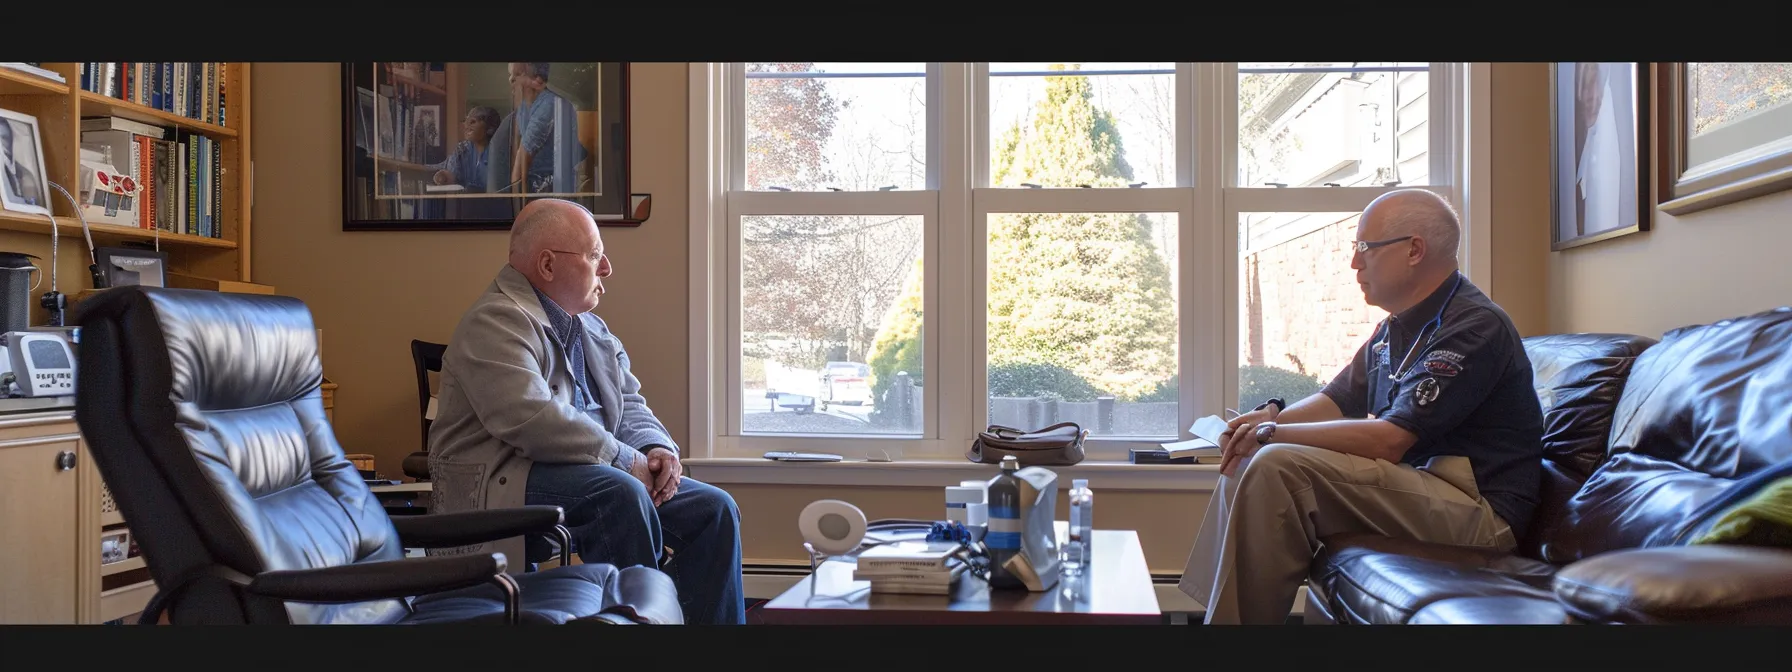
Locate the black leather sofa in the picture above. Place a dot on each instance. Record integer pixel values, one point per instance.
(1647, 443)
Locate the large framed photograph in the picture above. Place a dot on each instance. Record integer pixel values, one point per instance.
(1600, 152)
(24, 184)
(1726, 133)
(464, 146)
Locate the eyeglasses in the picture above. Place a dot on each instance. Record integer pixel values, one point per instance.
(1364, 245)
(592, 257)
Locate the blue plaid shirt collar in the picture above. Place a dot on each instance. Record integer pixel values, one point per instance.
(565, 326)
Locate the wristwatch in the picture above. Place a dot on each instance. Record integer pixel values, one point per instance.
(1265, 432)
(1280, 405)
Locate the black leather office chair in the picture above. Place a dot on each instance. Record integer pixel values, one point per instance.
(428, 359)
(203, 413)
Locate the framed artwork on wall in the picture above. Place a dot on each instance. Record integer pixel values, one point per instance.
(1600, 186)
(464, 146)
(1726, 133)
(24, 183)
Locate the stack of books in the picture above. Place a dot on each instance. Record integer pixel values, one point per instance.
(911, 567)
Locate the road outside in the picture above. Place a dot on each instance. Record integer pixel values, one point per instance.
(795, 388)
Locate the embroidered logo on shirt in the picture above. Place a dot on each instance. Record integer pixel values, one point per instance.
(1426, 392)
(1443, 363)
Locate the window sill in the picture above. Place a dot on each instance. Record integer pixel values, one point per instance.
(1102, 475)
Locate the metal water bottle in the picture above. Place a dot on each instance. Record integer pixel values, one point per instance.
(1005, 526)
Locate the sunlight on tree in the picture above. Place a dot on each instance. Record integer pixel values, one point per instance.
(1085, 292)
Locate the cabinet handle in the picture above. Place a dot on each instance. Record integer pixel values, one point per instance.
(65, 460)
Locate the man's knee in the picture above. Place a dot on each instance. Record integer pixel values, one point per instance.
(1267, 466)
(1280, 457)
(716, 501)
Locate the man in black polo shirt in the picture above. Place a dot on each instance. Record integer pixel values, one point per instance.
(1433, 433)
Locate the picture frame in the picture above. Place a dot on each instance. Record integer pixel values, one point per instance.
(1725, 133)
(24, 183)
(1600, 152)
(570, 121)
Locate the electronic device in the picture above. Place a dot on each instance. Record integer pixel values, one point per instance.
(968, 504)
(125, 266)
(791, 456)
(42, 362)
(832, 526)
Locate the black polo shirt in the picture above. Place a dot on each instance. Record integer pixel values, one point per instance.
(1465, 389)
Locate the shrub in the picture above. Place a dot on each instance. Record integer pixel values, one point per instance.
(1045, 381)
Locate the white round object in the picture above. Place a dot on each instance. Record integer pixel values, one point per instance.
(832, 526)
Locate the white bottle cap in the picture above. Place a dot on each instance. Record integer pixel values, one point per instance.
(1079, 483)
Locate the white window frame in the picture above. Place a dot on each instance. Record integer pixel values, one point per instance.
(955, 204)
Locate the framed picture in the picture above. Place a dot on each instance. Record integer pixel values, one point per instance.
(1600, 152)
(24, 184)
(1726, 133)
(464, 146)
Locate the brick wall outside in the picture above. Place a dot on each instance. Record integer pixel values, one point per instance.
(1311, 306)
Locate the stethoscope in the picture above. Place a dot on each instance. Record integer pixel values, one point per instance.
(1428, 332)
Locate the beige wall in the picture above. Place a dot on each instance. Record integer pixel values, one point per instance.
(372, 293)
(1694, 269)
(1520, 136)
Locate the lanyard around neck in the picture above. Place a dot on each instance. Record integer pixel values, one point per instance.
(1429, 332)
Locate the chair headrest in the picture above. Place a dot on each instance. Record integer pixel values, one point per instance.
(224, 350)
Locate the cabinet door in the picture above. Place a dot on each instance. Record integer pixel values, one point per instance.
(38, 530)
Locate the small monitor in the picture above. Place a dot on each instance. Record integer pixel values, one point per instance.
(123, 266)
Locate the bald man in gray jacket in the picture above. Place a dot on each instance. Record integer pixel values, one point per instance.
(538, 406)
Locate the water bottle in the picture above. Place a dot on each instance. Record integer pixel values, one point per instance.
(1078, 548)
(1005, 526)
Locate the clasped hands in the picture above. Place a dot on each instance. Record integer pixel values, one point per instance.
(660, 472)
(1239, 441)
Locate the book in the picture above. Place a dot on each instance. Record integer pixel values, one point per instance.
(934, 582)
(1205, 447)
(907, 557)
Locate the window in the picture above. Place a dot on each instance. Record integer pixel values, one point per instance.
(889, 257)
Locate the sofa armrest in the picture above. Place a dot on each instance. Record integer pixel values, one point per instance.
(1680, 584)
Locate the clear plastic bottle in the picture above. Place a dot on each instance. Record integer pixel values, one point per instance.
(1082, 528)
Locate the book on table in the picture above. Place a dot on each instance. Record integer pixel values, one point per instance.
(910, 567)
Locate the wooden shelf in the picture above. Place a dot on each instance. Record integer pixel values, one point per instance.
(70, 226)
(97, 105)
(124, 565)
(125, 600)
(412, 81)
(13, 83)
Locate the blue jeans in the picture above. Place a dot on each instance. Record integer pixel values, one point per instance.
(613, 521)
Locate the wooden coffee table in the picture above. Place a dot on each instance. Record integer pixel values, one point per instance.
(1115, 589)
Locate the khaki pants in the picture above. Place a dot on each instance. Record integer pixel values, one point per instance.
(1263, 527)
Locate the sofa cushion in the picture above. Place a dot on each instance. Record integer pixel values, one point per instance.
(1704, 409)
(1579, 378)
(1497, 610)
(1369, 578)
(1715, 584)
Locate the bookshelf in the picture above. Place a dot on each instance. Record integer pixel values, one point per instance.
(221, 256)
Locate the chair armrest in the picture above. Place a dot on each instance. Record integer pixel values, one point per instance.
(388, 579)
(443, 530)
(1680, 584)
